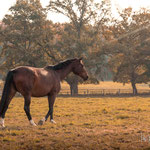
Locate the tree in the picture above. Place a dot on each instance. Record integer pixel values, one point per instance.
(129, 59)
(78, 36)
(26, 29)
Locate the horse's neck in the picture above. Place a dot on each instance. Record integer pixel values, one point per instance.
(64, 72)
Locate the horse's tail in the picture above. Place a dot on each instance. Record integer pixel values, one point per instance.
(6, 90)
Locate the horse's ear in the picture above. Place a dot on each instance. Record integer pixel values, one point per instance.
(80, 58)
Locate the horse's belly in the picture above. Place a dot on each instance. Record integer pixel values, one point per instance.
(39, 94)
(40, 91)
(44, 86)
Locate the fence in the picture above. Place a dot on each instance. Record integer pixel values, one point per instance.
(105, 92)
(101, 92)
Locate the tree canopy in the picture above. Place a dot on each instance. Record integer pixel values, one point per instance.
(108, 45)
(129, 59)
(81, 37)
(24, 28)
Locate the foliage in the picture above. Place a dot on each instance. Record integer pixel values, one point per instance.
(24, 33)
(122, 45)
(129, 58)
(80, 37)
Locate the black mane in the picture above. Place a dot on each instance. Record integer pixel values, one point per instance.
(61, 65)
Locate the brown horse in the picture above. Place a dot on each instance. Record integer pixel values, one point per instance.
(38, 82)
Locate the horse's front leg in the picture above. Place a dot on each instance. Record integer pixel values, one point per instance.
(51, 100)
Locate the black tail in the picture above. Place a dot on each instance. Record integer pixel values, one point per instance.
(6, 90)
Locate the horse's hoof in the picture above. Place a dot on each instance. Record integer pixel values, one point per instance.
(2, 122)
(52, 121)
(41, 122)
(32, 123)
(2, 125)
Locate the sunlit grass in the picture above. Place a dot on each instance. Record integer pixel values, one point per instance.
(82, 123)
(107, 85)
(105, 88)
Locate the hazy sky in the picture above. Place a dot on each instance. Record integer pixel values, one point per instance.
(136, 4)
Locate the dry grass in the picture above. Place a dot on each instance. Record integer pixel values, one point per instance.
(82, 124)
(107, 85)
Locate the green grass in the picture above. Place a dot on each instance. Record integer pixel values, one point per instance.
(82, 123)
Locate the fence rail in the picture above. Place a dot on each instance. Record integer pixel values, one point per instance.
(101, 92)
(104, 91)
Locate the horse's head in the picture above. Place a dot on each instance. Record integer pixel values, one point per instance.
(79, 69)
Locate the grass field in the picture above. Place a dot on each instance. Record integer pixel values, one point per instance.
(82, 124)
(106, 88)
(107, 85)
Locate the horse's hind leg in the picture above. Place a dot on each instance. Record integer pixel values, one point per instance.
(27, 109)
(11, 95)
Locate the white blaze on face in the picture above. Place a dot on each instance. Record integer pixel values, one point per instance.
(81, 62)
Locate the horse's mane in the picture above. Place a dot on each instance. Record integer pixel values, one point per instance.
(60, 65)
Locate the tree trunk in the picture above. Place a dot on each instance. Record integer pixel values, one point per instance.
(74, 88)
(133, 83)
(73, 81)
(134, 88)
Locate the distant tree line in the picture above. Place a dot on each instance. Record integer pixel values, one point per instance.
(119, 46)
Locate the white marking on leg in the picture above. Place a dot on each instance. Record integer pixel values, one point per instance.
(52, 121)
(32, 123)
(2, 122)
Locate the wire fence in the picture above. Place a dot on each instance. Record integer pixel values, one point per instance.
(105, 92)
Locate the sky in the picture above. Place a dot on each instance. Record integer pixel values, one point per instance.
(121, 4)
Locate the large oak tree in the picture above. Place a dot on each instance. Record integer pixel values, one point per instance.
(129, 57)
(81, 36)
